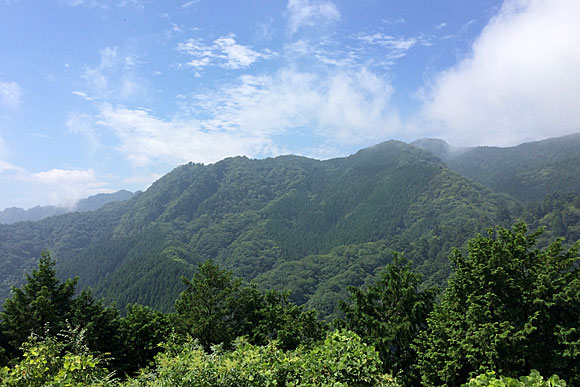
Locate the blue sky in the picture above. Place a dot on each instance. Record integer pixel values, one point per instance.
(101, 95)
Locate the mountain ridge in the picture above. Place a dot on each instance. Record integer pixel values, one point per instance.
(309, 226)
(527, 171)
(16, 214)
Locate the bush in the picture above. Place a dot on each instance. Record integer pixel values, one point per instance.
(533, 380)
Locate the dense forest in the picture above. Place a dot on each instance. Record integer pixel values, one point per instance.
(528, 172)
(508, 315)
(304, 263)
(288, 223)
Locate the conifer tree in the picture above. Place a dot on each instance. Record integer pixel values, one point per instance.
(204, 306)
(390, 313)
(41, 305)
(509, 307)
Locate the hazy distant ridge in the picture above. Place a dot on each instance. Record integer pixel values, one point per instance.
(528, 172)
(15, 214)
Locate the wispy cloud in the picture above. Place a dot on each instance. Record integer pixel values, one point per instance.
(104, 4)
(394, 21)
(224, 52)
(521, 82)
(82, 124)
(7, 170)
(10, 95)
(65, 187)
(324, 51)
(394, 47)
(114, 77)
(9, 167)
(309, 13)
(83, 95)
(189, 3)
(344, 108)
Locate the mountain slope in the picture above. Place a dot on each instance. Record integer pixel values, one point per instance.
(528, 171)
(310, 226)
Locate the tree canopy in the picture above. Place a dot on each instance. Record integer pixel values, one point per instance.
(509, 307)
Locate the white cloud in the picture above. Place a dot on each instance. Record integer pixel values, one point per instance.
(60, 187)
(223, 52)
(521, 82)
(104, 4)
(236, 55)
(394, 47)
(309, 13)
(114, 77)
(10, 95)
(64, 187)
(145, 138)
(342, 109)
(189, 3)
(81, 124)
(324, 51)
(8, 167)
(82, 94)
(394, 21)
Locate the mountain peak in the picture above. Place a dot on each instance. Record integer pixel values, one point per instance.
(439, 148)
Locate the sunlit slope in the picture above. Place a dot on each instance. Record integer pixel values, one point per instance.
(311, 226)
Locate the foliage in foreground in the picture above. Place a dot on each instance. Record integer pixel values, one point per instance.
(533, 380)
(52, 362)
(342, 359)
(509, 307)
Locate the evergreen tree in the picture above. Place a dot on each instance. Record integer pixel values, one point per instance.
(217, 307)
(141, 332)
(389, 314)
(101, 325)
(509, 308)
(279, 319)
(204, 306)
(41, 305)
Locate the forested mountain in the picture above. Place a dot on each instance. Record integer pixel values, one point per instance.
(99, 200)
(15, 214)
(528, 171)
(313, 227)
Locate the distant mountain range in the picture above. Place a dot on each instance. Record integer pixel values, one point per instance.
(527, 172)
(15, 214)
(312, 227)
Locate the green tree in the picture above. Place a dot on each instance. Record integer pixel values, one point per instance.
(141, 332)
(389, 314)
(276, 318)
(509, 308)
(101, 325)
(48, 362)
(42, 304)
(203, 308)
(217, 307)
